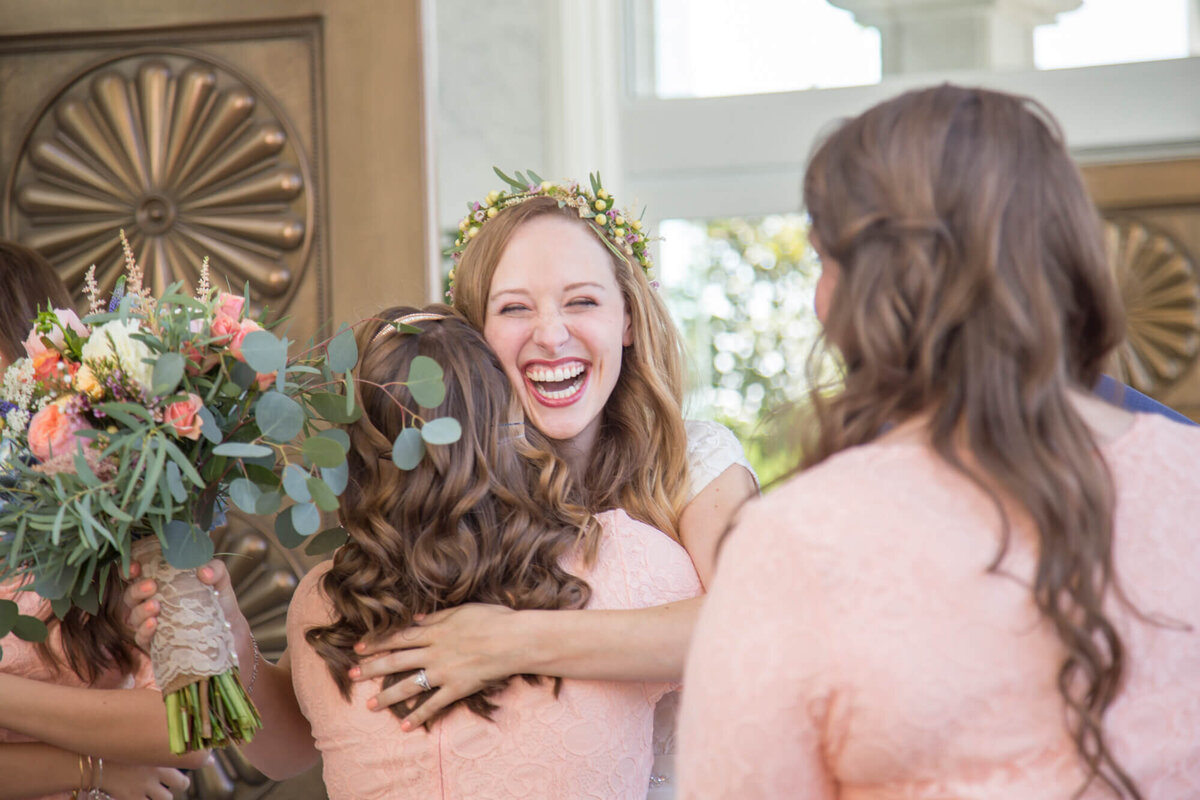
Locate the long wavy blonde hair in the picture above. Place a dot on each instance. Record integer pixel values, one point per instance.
(639, 462)
(974, 290)
(487, 519)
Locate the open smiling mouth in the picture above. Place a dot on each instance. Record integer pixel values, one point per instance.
(559, 383)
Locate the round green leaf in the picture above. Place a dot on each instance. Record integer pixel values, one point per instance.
(425, 382)
(408, 449)
(295, 483)
(443, 430)
(338, 435)
(306, 518)
(322, 495)
(9, 611)
(336, 477)
(208, 425)
(279, 417)
(325, 541)
(245, 494)
(342, 351)
(187, 547)
(175, 482)
(242, 450)
(53, 587)
(332, 407)
(31, 629)
(168, 372)
(286, 532)
(323, 452)
(268, 503)
(264, 352)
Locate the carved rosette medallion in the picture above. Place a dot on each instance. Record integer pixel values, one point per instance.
(189, 157)
(1159, 286)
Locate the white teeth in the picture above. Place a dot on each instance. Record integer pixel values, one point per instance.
(559, 373)
(561, 393)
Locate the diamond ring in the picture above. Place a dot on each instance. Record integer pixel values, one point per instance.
(422, 680)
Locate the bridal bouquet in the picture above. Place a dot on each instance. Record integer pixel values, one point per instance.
(130, 432)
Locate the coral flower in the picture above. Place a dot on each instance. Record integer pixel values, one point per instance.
(52, 431)
(183, 417)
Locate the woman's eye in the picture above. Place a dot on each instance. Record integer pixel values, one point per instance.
(583, 301)
(511, 308)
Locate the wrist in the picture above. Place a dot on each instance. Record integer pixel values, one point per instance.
(533, 635)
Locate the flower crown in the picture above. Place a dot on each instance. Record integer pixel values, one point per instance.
(619, 231)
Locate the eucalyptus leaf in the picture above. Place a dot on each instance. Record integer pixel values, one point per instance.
(342, 351)
(326, 541)
(425, 382)
(337, 477)
(286, 532)
(187, 547)
(175, 482)
(306, 518)
(321, 494)
(332, 407)
(264, 352)
(408, 449)
(244, 493)
(208, 425)
(323, 452)
(30, 629)
(295, 483)
(60, 606)
(168, 372)
(279, 417)
(338, 435)
(9, 611)
(268, 503)
(243, 375)
(241, 450)
(84, 470)
(443, 430)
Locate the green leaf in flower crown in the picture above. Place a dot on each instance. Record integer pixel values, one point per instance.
(279, 417)
(286, 532)
(425, 382)
(264, 352)
(187, 546)
(52, 587)
(208, 425)
(321, 494)
(332, 407)
(241, 450)
(295, 483)
(168, 372)
(60, 606)
(268, 503)
(337, 477)
(342, 351)
(244, 493)
(323, 452)
(9, 611)
(443, 430)
(408, 449)
(306, 518)
(326, 541)
(31, 629)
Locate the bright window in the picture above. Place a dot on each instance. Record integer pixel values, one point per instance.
(1113, 32)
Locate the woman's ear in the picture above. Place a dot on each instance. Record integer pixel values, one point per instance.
(627, 336)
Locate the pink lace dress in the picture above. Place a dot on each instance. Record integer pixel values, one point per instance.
(21, 659)
(592, 741)
(855, 646)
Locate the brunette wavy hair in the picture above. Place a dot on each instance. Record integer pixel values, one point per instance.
(487, 519)
(639, 462)
(974, 291)
(92, 643)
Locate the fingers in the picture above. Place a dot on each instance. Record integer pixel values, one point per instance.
(398, 693)
(173, 779)
(441, 698)
(408, 638)
(388, 664)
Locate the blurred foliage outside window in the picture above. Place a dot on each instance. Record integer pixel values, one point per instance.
(741, 291)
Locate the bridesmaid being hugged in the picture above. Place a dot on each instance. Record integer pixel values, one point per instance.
(983, 584)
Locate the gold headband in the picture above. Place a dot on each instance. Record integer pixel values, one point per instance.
(407, 319)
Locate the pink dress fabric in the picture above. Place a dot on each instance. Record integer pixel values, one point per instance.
(21, 659)
(854, 645)
(592, 741)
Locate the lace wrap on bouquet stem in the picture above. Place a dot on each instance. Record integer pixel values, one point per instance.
(194, 659)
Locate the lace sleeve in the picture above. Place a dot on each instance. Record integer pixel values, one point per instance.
(712, 449)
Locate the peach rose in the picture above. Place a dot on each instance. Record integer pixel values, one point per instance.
(52, 431)
(45, 364)
(224, 328)
(182, 416)
(247, 326)
(264, 379)
(230, 305)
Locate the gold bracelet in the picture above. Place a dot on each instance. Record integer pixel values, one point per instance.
(82, 779)
(98, 775)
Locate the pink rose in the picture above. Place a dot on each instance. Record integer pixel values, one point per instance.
(68, 319)
(264, 379)
(182, 416)
(52, 432)
(230, 305)
(224, 328)
(247, 326)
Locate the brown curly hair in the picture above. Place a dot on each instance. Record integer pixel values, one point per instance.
(639, 461)
(488, 519)
(974, 291)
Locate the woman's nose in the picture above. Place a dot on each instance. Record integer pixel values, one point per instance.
(551, 332)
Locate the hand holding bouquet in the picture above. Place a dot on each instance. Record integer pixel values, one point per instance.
(133, 429)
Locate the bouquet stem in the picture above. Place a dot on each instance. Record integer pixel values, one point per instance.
(194, 660)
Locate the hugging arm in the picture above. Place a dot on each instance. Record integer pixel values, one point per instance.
(34, 769)
(284, 746)
(462, 648)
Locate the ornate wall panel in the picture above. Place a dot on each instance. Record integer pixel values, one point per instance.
(1152, 226)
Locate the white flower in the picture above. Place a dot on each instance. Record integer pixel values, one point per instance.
(114, 340)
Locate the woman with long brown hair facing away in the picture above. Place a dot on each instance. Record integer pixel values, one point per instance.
(80, 710)
(983, 582)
